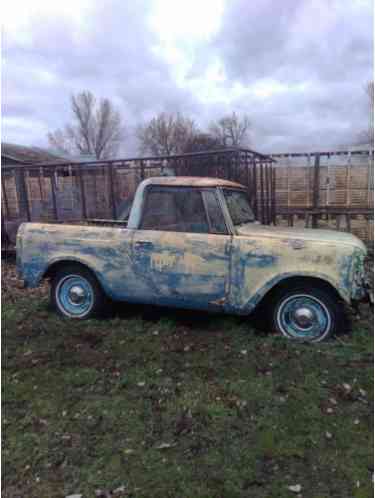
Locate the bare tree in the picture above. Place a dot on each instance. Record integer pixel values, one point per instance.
(231, 130)
(96, 129)
(201, 142)
(166, 134)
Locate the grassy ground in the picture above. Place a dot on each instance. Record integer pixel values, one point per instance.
(169, 404)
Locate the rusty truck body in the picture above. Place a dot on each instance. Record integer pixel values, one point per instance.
(195, 243)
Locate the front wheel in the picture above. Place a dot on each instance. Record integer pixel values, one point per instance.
(310, 315)
(75, 293)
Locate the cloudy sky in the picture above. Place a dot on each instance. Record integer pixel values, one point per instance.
(298, 68)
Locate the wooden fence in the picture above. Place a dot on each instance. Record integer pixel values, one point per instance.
(328, 189)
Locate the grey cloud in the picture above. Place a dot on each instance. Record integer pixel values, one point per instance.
(112, 56)
(280, 39)
(254, 37)
(325, 45)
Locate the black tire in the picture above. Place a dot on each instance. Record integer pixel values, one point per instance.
(68, 285)
(307, 313)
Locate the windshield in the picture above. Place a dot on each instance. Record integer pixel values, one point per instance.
(239, 207)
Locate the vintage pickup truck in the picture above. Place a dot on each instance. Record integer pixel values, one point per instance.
(194, 243)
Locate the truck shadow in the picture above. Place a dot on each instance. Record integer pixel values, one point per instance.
(183, 317)
(197, 319)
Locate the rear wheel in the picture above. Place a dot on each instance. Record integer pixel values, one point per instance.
(307, 314)
(75, 293)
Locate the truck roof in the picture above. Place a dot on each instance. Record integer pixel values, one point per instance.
(191, 181)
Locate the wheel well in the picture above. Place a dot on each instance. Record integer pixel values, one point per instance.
(55, 267)
(303, 281)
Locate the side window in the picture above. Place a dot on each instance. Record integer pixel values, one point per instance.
(215, 213)
(174, 210)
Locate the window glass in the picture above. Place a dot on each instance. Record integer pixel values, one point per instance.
(239, 207)
(215, 212)
(159, 212)
(175, 210)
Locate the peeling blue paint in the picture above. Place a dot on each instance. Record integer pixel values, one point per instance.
(345, 263)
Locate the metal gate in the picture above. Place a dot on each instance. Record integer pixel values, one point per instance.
(74, 192)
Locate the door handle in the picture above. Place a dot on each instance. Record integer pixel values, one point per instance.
(143, 244)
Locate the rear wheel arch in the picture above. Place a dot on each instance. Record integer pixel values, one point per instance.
(75, 291)
(56, 266)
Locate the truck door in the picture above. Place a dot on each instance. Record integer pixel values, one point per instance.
(181, 252)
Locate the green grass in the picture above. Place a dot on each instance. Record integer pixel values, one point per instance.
(174, 404)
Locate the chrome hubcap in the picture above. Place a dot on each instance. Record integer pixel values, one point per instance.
(304, 317)
(74, 296)
(77, 294)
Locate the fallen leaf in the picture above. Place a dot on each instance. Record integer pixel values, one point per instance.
(164, 446)
(296, 488)
(119, 490)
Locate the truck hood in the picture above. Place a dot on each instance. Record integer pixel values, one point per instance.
(331, 237)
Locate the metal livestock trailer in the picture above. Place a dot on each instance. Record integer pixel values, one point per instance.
(103, 190)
